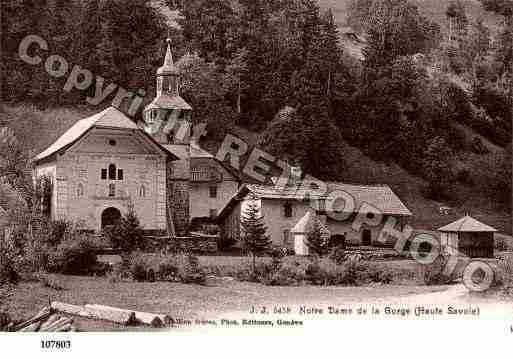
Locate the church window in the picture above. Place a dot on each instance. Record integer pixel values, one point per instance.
(287, 210)
(112, 172)
(120, 174)
(142, 191)
(104, 174)
(213, 191)
(112, 142)
(286, 236)
(112, 190)
(80, 190)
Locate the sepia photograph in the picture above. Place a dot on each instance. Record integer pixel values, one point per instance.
(190, 170)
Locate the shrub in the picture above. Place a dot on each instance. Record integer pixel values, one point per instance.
(48, 281)
(127, 234)
(74, 256)
(37, 256)
(139, 268)
(338, 254)
(224, 243)
(375, 274)
(317, 238)
(287, 275)
(478, 147)
(435, 273)
(9, 263)
(503, 278)
(190, 271)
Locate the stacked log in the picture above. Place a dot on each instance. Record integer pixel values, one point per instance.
(151, 319)
(119, 317)
(58, 317)
(44, 321)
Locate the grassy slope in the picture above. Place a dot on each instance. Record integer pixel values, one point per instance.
(432, 9)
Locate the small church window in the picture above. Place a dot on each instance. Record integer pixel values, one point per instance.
(112, 190)
(287, 210)
(286, 236)
(80, 190)
(120, 174)
(104, 174)
(213, 191)
(142, 191)
(112, 142)
(112, 172)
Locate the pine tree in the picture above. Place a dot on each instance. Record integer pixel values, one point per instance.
(254, 233)
(317, 238)
(127, 234)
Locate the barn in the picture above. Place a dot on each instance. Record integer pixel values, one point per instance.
(467, 236)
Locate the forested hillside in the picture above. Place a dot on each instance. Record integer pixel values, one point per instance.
(432, 96)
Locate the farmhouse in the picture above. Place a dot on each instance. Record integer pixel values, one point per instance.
(106, 162)
(467, 236)
(284, 208)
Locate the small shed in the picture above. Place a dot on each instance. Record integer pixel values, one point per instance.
(301, 229)
(467, 236)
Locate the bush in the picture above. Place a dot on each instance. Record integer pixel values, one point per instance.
(9, 263)
(37, 256)
(127, 234)
(287, 275)
(503, 278)
(478, 147)
(338, 254)
(75, 256)
(224, 243)
(139, 268)
(435, 273)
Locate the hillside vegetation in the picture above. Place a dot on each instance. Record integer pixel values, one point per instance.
(424, 109)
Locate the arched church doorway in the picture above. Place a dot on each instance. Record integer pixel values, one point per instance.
(110, 216)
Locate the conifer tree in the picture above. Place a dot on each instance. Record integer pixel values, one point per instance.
(317, 238)
(254, 230)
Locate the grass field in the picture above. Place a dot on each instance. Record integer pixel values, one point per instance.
(189, 301)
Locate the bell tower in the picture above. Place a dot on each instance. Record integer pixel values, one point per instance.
(168, 120)
(168, 117)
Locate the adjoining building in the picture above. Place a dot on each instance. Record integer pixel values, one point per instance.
(467, 236)
(283, 208)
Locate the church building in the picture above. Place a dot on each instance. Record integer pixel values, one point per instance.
(106, 163)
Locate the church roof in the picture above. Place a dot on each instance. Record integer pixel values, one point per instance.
(195, 151)
(111, 117)
(168, 68)
(467, 224)
(165, 101)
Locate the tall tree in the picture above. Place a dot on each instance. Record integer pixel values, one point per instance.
(254, 232)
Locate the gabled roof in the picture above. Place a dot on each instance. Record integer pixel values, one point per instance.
(379, 196)
(198, 152)
(168, 102)
(467, 224)
(108, 118)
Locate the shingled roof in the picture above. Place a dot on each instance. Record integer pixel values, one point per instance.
(108, 118)
(467, 224)
(379, 196)
(168, 102)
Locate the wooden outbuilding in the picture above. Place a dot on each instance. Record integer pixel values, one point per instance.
(467, 236)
